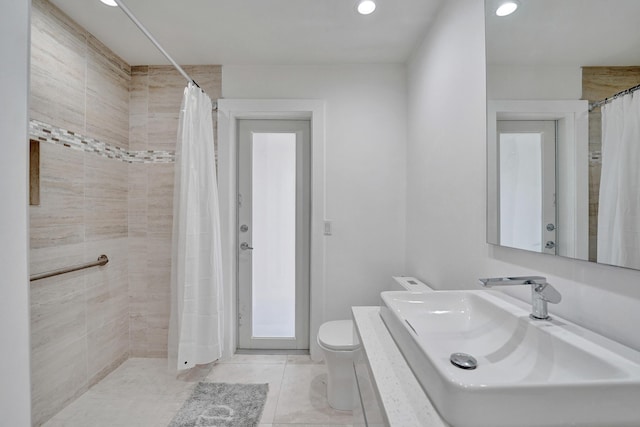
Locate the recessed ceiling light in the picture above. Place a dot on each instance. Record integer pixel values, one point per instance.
(507, 8)
(366, 7)
(109, 2)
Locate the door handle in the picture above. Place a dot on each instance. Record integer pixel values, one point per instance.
(244, 246)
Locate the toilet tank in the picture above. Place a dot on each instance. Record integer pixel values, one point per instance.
(406, 283)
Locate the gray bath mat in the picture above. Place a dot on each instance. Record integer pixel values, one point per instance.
(222, 405)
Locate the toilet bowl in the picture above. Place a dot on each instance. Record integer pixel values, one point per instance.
(338, 344)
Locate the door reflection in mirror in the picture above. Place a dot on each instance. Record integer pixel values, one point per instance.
(527, 184)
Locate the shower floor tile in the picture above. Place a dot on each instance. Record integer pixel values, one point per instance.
(141, 393)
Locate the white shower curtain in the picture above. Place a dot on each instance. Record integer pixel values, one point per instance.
(195, 329)
(619, 201)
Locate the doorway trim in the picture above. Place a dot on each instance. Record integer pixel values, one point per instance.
(229, 112)
(572, 139)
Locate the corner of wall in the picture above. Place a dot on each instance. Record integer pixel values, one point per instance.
(15, 392)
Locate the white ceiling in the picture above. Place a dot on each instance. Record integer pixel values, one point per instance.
(258, 31)
(566, 33)
(541, 32)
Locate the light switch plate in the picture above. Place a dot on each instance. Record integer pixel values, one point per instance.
(327, 228)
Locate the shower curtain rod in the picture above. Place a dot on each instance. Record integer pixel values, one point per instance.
(146, 32)
(597, 104)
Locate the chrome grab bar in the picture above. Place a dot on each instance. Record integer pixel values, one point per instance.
(102, 260)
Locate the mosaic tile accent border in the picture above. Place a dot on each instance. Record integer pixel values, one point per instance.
(44, 132)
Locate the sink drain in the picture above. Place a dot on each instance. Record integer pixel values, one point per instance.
(463, 361)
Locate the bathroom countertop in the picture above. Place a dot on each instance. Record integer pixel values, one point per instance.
(402, 398)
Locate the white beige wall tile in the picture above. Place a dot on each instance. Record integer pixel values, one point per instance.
(87, 308)
(61, 171)
(105, 219)
(58, 57)
(59, 219)
(58, 317)
(137, 261)
(149, 330)
(56, 235)
(106, 178)
(163, 130)
(107, 106)
(160, 198)
(80, 320)
(138, 223)
(58, 376)
(137, 181)
(77, 83)
(108, 347)
(159, 262)
(106, 200)
(138, 107)
(166, 87)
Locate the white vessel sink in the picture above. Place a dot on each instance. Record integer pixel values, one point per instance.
(529, 372)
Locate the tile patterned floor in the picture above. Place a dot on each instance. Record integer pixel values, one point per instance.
(141, 393)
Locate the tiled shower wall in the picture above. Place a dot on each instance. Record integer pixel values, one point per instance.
(79, 321)
(599, 83)
(105, 194)
(156, 96)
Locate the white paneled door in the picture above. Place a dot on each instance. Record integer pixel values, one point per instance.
(273, 234)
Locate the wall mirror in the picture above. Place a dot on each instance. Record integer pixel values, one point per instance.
(556, 183)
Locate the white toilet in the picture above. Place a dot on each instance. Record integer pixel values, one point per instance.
(338, 344)
(336, 340)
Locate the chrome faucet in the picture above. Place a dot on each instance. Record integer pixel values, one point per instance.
(541, 292)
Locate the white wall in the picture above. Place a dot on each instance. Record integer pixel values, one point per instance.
(534, 82)
(15, 399)
(365, 160)
(446, 187)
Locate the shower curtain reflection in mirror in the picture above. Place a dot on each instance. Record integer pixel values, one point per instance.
(619, 200)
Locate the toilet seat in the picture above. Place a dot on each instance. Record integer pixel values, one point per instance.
(337, 335)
